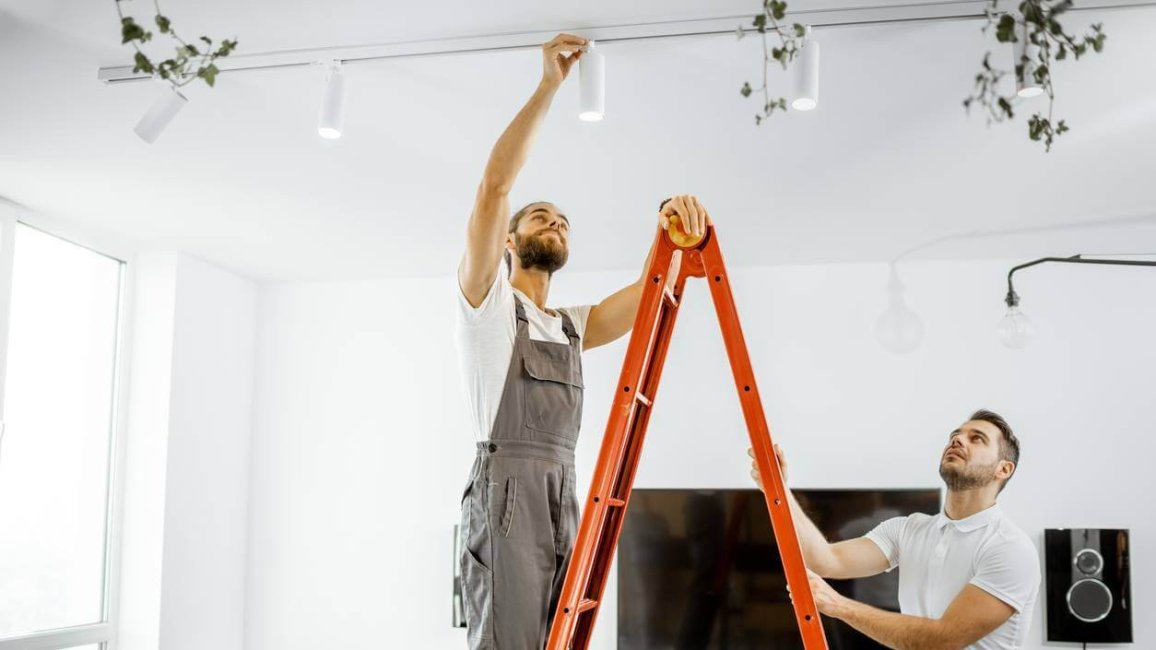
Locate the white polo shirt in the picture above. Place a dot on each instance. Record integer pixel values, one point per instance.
(938, 557)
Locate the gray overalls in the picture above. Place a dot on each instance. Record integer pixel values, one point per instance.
(519, 510)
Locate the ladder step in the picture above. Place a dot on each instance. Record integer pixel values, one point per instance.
(617, 503)
(642, 398)
(586, 605)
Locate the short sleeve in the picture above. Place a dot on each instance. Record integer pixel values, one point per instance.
(498, 300)
(886, 537)
(579, 316)
(1010, 571)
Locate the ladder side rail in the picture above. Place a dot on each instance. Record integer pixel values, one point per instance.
(786, 538)
(612, 526)
(611, 453)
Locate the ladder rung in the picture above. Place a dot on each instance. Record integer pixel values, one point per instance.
(586, 605)
(617, 503)
(668, 295)
(642, 398)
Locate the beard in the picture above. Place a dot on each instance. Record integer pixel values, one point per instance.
(967, 477)
(537, 252)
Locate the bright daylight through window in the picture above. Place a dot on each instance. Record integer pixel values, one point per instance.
(58, 411)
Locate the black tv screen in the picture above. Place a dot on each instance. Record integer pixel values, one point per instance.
(699, 569)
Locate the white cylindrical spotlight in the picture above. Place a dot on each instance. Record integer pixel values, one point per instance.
(592, 82)
(154, 122)
(806, 92)
(332, 103)
(1026, 85)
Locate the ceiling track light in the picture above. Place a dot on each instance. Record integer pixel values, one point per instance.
(592, 83)
(1016, 329)
(332, 102)
(1026, 55)
(160, 114)
(806, 81)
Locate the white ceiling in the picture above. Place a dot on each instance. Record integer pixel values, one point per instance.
(888, 162)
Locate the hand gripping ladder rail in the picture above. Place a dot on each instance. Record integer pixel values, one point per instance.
(609, 496)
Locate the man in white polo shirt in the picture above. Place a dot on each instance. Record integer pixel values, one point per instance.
(969, 577)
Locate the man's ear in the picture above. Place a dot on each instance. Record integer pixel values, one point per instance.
(1005, 470)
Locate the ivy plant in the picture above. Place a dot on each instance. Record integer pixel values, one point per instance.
(789, 38)
(1036, 21)
(192, 61)
(1047, 41)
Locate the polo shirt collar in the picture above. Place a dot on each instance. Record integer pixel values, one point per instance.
(968, 524)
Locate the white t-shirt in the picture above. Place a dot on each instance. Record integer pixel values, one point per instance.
(938, 557)
(485, 338)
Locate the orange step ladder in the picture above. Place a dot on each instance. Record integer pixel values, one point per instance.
(610, 488)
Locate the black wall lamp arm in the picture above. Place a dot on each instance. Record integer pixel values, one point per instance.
(1013, 298)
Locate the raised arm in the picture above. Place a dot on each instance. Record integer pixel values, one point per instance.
(853, 558)
(614, 316)
(486, 232)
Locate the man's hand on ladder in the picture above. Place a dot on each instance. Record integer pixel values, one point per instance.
(828, 601)
(687, 216)
(755, 466)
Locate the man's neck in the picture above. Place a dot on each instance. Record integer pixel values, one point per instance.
(535, 283)
(962, 504)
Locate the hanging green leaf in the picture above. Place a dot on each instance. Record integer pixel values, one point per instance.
(142, 64)
(1005, 31)
(130, 31)
(226, 48)
(209, 74)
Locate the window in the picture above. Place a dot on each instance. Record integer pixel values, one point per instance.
(57, 393)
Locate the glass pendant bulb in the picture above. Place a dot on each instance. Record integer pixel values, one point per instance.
(1015, 328)
(898, 329)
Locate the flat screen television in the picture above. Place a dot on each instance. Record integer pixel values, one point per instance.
(699, 569)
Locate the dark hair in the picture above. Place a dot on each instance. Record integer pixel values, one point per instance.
(514, 227)
(1009, 444)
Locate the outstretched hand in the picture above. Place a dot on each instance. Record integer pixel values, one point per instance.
(559, 55)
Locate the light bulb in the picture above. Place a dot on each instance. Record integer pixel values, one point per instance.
(898, 329)
(1015, 329)
(1027, 92)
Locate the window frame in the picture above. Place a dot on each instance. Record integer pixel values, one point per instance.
(104, 632)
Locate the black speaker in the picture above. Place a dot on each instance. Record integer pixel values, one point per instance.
(1089, 595)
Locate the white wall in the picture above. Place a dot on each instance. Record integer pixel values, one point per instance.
(187, 457)
(361, 444)
(146, 451)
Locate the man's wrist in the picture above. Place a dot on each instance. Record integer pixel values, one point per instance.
(845, 608)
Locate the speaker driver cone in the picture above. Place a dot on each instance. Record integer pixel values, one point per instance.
(1089, 600)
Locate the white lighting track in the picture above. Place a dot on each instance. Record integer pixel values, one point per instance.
(725, 25)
